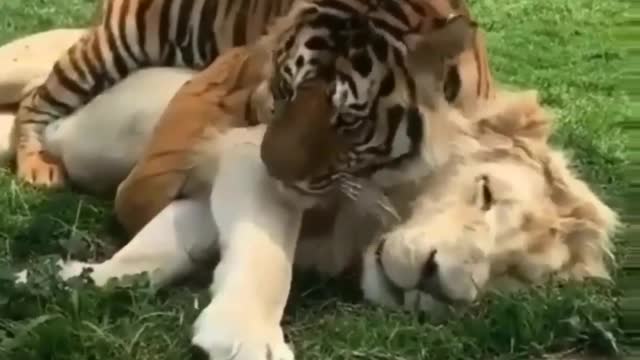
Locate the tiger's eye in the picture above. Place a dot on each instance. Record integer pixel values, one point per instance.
(280, 89)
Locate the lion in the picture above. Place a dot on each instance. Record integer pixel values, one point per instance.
(547, 165)
(125, 116)
(27, 61)
(552, 198)
(403, 266)
(501, 217)
(504, 208)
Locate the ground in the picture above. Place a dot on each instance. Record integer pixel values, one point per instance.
(566, 49)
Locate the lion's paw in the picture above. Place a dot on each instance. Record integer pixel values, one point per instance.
(222, 333)
(71, 268)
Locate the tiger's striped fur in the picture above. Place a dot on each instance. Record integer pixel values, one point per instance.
(369, 53)
(305, 144)
(133, 34)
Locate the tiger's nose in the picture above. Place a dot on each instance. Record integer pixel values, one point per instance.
(300, 142)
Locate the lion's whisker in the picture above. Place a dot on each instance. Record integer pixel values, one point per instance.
(475, 284)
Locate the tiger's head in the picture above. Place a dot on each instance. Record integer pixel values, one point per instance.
(345, 97)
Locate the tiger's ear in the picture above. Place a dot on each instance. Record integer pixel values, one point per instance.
(445, 37)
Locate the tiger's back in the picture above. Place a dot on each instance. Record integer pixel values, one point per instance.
(133, 34)
(169, 168)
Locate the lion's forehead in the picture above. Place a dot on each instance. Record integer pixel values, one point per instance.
(518, 179)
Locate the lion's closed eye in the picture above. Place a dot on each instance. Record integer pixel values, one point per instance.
(483, 195)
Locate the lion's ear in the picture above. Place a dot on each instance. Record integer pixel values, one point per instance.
(579, 230)
(517, 115)
(445, 37)
(574, 197)
(588, 244)
(585, 223)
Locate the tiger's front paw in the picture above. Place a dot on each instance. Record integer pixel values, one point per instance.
(41, 169)
(228, 332)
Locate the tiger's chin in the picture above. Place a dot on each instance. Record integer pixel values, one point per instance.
(299, 195)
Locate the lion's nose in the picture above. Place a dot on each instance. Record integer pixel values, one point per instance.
(429, 281)
(197, 353)
(430, 267)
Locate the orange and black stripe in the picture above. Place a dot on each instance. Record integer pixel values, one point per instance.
(134, 34)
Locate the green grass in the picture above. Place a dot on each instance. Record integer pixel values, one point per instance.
(564, 48)
(629, 281)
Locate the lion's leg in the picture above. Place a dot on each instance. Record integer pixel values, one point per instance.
(101, 142)
(170, 246)
(258, 231)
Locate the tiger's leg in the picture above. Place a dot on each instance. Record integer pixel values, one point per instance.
(182, 151)
(258, 230)
(170, 246)
(140, 198)
(105, 55)
(87, 68)
(168, 163)
(33, 164)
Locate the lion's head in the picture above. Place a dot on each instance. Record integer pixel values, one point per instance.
(511, 209)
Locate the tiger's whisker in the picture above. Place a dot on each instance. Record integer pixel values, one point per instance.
(349, 192)
(369, 198)
(389, 208)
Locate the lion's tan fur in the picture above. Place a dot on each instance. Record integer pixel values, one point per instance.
(582, 221)
(557, 226)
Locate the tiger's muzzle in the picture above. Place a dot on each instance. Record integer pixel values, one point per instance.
(300, 144)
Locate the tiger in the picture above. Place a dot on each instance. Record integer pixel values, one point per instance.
(134, 34)
(364, 73)
(163, 174)
(347, 87)
(381, 61)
